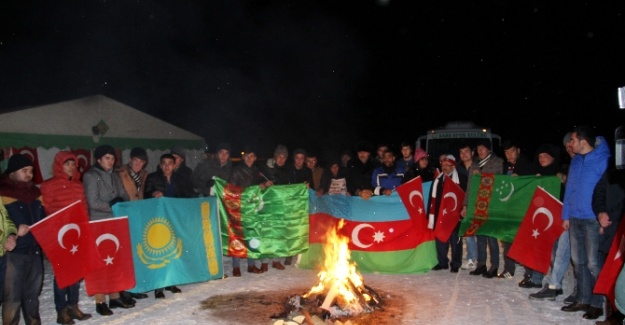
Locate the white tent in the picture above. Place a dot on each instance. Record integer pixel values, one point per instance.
(81, 125)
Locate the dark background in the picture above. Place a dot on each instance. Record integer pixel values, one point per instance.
(324, 74)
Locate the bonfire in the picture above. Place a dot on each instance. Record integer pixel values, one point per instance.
(340, 292)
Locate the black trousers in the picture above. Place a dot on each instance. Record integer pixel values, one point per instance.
(22, 285)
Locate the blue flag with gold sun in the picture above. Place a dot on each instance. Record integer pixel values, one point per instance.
(174, 241)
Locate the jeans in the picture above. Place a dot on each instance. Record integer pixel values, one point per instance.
(236, 262)
(561, 258)
(22, 286)
(471, 242)
(584, 234)
(509, 264)
(493, 247)
(442, 250)
(67, 296)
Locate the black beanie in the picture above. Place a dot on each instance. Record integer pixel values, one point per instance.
(100, 151)
(17, 162)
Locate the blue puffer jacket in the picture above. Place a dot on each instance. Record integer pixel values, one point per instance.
(584, 173)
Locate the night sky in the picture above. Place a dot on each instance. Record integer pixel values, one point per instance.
(324, 74)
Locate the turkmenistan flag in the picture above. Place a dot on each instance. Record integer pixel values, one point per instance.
(497, 203)
(259, 223)
(174, 241)
(383, 238)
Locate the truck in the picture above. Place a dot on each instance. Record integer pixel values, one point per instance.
(447, 139)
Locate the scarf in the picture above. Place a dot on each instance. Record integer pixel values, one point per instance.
(483, 162)
(455, 179)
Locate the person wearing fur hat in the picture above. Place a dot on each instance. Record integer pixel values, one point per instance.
(448, 173)
(59, 191)
(24, 264)
(104, 188)
(220, 166)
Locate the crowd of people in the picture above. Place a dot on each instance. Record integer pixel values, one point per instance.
(592, 192)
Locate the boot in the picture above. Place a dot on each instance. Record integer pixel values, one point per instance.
(479, 270)
(138, 295)
(115, 303)
(288, 260)
(76, 313)
(63, 317)
(125, 297)
(253, 269)
(159, 294)
(236, 272)
(277, 265)
(264, 267)
(103, 309)
(173, 289)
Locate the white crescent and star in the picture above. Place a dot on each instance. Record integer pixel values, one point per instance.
(111, 237)
(507, 197)
(545, 211)
(413, 194)
(453, 196)
(356, 232)
(65, 229)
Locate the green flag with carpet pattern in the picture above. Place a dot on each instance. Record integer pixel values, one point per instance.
(263, 223)
(497, 203)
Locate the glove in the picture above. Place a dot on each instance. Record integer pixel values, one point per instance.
(115, 200)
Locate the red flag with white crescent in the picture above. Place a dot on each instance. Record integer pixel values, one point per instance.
(67, 241)
(539, 230)
(84, 160)
(112, 238)
(411, 194)
(606, 282)
(449, 211)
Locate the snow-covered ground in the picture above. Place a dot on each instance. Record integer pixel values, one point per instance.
(437, 297)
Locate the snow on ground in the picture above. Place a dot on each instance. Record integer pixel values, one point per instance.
(437, 297)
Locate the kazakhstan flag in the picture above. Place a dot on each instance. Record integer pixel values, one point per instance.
(174, 241)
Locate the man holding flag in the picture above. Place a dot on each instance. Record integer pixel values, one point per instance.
(61, 190)
(444, 217)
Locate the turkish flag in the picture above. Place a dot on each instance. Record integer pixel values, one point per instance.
(539, 230)
(84, 160)
(112, 237)
(449, 210)
(606, 282)
(66, 239)
(411, 194)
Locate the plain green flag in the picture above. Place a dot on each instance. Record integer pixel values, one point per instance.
(497, 203)
(263, 223)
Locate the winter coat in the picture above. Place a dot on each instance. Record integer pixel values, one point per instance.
(22, 201)
(129, 184)
(584, 173)
(359, 175)
(245, 176)
(102, 189)
(202, 177)
(609, 197)
(158, 182)
(61, 191)
(386, 178)
(8, 228)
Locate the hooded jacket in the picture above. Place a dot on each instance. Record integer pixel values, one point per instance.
(584, 173)
(61, 191)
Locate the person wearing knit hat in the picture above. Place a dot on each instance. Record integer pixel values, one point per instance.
(180, 166)
(437, 193)
(421, 167)
(23, 277)
(103, 189)
(102, 150)
(140, 153)
(18, 161)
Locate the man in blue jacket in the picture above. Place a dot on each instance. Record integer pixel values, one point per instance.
(587, 167)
